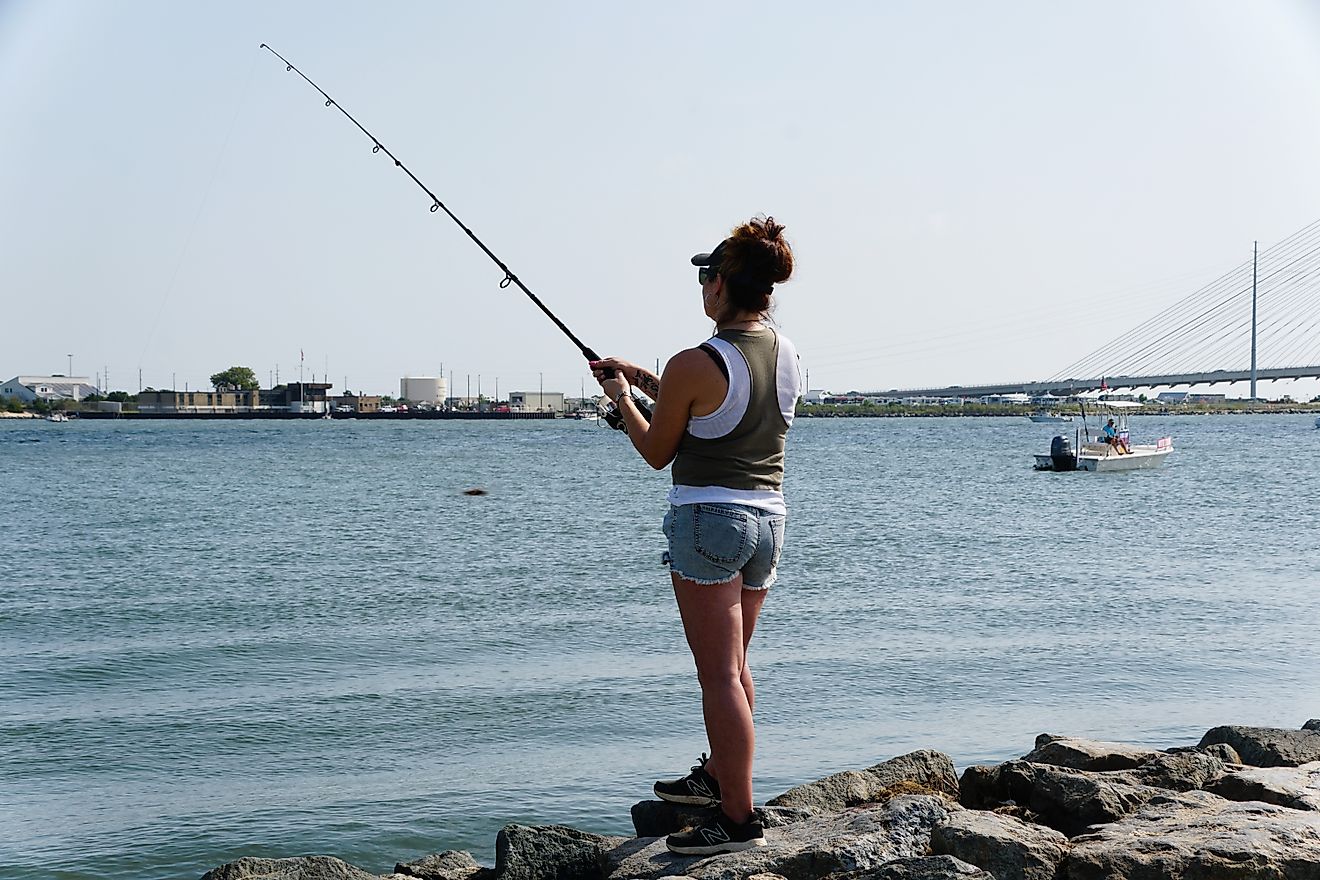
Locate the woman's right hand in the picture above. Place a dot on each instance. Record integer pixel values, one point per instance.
(605, 367)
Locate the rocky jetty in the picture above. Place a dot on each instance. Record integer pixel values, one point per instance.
(1244, 804)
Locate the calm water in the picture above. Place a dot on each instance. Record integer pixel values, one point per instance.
(290, 638)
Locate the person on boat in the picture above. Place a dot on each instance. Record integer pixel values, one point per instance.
(722, 410)
(1111, 436)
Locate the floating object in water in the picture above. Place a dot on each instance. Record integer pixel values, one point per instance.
(477, 491)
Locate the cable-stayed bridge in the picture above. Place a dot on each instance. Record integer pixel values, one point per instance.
(1258, 322)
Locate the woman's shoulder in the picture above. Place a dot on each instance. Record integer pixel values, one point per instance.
(689, 359)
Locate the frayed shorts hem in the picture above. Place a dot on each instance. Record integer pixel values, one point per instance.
(710, 582)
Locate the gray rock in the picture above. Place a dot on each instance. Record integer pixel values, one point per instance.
(1268, 746)
(1185, 771)
(1222, 751)
(1067, 800)
(1087, 754)
(924, 868)
(550, 852)
(1297, 788)
(920, 772)
(1199, 836)
(448, 865)
(1005, 846)
(1313, 724)
(856, 839)
(301, 868)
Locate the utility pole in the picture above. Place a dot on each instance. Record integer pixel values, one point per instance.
(540, 399)
(139, 380)
(70, 366)
(1254, 246)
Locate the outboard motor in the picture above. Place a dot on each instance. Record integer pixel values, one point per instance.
(1062, 456)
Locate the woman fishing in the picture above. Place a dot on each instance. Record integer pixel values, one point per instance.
(722, 410)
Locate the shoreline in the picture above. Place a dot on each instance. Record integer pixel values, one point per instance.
(1242, 804)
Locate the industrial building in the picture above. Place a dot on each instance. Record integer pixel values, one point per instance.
(536, 401)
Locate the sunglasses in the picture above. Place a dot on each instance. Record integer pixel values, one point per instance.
(707, 273)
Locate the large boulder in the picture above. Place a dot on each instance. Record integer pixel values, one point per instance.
(1199, 836)
(1007, 847)
(856, 839)
(1268, 746)
(301, 868)
(1297, 788)
(920, 772)
(448, 865)
(550, 852)
(1185, 771)
(1088, 754)
(1067, 800)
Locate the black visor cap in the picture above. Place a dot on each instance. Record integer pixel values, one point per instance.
(711, 259)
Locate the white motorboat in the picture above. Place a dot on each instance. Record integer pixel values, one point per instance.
(1115, 453)
(1048, 417)
(1105, 457)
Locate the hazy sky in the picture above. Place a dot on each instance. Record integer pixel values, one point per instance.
(976, 192)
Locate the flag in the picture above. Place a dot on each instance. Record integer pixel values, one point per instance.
(300, 355)
(1103, 386)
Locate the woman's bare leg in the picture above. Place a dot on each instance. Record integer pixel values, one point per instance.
(713, 620)
(752, 600)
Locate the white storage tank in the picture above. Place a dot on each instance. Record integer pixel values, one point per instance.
(423, 389)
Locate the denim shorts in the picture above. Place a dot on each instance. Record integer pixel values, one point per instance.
(711, 543)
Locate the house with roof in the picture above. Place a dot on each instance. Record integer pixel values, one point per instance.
(48, 388)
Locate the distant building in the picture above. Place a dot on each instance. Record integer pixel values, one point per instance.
(298, 397)
(424, 389)
(359, 403)
(198, 401)
(1172, 396)
(536, 401)
(30, 388)
(817, 395)
(1207, 398)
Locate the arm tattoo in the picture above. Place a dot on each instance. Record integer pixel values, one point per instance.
(647, 384)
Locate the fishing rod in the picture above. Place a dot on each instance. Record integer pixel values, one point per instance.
(612, 416)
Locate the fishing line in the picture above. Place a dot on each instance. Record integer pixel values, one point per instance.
(612, 416)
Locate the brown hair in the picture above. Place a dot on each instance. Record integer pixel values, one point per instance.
(756, 258)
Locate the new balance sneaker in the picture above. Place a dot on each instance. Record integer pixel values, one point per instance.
(698, 788)
(719, 834)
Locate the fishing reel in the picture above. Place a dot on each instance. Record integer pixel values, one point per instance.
(610, 413)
